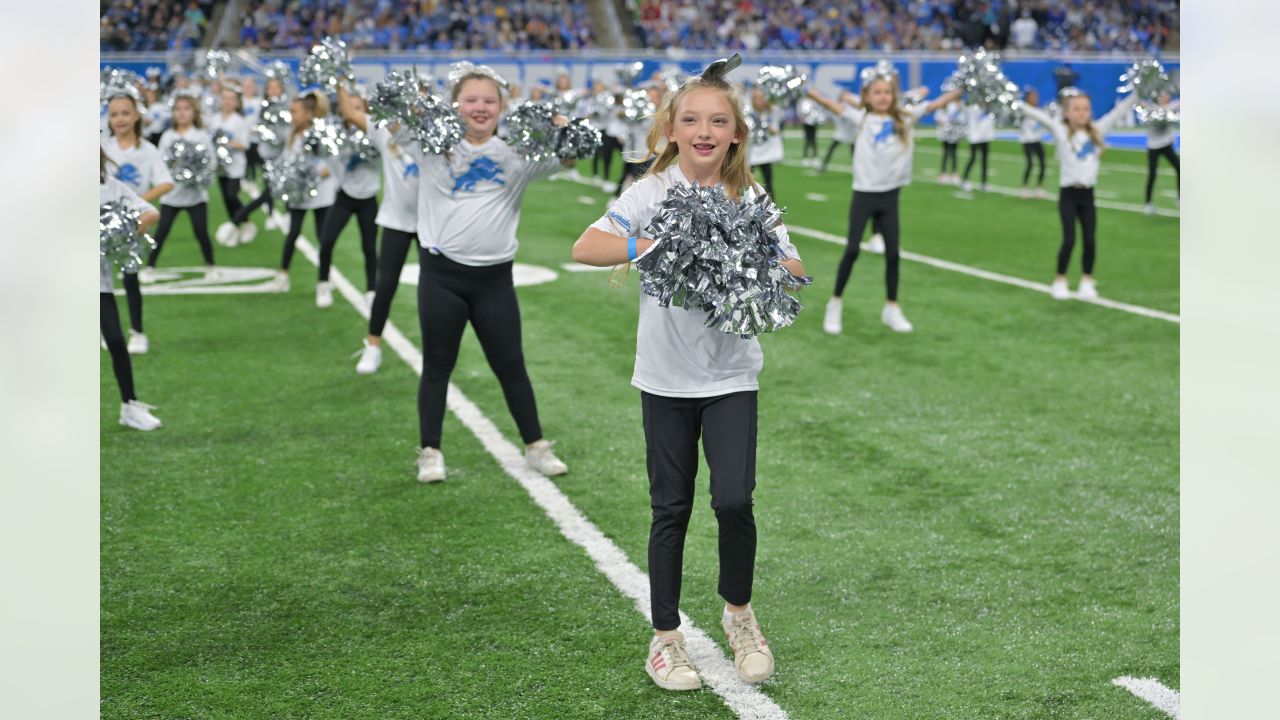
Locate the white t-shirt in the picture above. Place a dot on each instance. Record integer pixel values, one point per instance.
(238, 128)
(184, 195)
(881, 161)
(360, 180)
(846, 130)
(113, 190)
(252, 105)
(140, 167)
(1078, 156)
(327, 190)
(982, 125)
(1030, 130)
(1162, 135)
(399, 208)
(677, 355)
(469, 202)
(771, 150)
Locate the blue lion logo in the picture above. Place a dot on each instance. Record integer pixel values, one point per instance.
(353, 162)
(129, 175)
(1085, 150)
(410, 170)
(482, 168)
(886, 132)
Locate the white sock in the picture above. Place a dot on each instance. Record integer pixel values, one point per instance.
(727, 616)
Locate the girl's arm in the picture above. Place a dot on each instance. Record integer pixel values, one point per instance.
(1044, 119)
(602, 249)
(1121, 109)
(825, 102)
(350, 112)
(155, 192)
(793, 266)
(942, 100)
(147, 219)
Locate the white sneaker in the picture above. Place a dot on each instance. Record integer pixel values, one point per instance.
(368, 298)
(751, 654)
(893, 317)
(103, 341)
(270, 222)
(370, 359)
(250, 188)
(248, 231)
(147, 275)
(430, 465)
(211, 273)
(831, 319)
(875, 243)
(282, 221)
(281, 282)
(966, 186)
(1059, 290)
(668, 664)
(137, 415)
(137, 343)
(540, 458)
(1149, 209)
(227, 234)
(324, 294)
(1025, 194)
(1040, 193)
(1087, 290)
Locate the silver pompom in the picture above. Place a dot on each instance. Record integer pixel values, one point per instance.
(629, 73)
(403, 98)
(327, 64)
(758, 128)
(531, 131)
(811, 113)
(357, 147)
(578, 140)
(720, 257)
(279, 70)
(293, 178)
(118, 238)
(674, 78)
(636, 106)
(781, 84)
(567, 103)
(1148, 80)
(323, 138)
(274, 119)
(216, 63)
(222, 152)
(986, 86)
(189, 163)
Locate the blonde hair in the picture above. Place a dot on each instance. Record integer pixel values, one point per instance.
(1089, 127)
(735, 173)
(900, 127)
(456, 90)
(316, 103)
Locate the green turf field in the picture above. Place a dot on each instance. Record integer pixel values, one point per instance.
(976, 520)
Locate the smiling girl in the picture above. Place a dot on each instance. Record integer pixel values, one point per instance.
(192, 198)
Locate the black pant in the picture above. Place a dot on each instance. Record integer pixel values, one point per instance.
(766, 171)
(603, 159)
(1077, 202)
(296, 216)
(810, 142)
(395, 246)
(246, 210)
(881, 207)
(449, 295)
(1033, 151)
(974, 149)
(949, 156)
(109, 322)
(1153, 159)
(831, 149)
(366, 211)
(253, 161)
(199, 224)
(633, 169)
(727, 424)
(230, 188)
(133, 295)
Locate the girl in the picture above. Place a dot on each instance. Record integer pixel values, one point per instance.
(613, 136)
(230, 121)
(951, 127)
(1160, 137)
(138, 165)
(253, 161)
(881, 167)
(805, 110)
(468, 209)
(357, 195)
(765, 154)
(1078, 144)
(133, 413)
(194, 199)
(304, 111)
(982, 130)
(398, 217)
(694, 381)
(1030, 132)
(845, 132)
(275, 220)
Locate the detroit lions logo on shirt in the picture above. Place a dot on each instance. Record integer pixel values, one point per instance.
(1086, 150)
(410, 170)
(886, 132)
(128, 174)
(482, 168)
(624, 223)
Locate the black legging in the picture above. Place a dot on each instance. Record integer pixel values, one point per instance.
(1077, 202)
(974, 149)
(1153, 159)
(247, 210)
(449, 295)
(296, 216)
(366, 211)
(949, 156)
(831, 149)
(252, 161)
(603, 159)
(109, 322)
(883, 208)
(766, 170)
(810, 142)
(395, 246)
(230, 188)
(133, 295)
(199, 223)
(634, 169)
(1033, 151)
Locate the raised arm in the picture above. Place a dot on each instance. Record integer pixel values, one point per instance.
(1121, 109)
(1040, 116)
(826, 102)
(942, 100)
(350, 112)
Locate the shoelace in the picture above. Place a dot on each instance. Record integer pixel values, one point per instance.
(744, 635)
(673, 651)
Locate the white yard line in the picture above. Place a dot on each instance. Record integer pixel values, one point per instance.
(717, 671)
(1153, 691)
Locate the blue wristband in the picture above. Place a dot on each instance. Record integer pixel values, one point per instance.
(631, 248)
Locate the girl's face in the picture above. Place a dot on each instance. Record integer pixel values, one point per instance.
(184, 112)
(121, 115)
(480, 105)
(1078, 111)
(299, 115)
(229, 101)
(703, 129)
(275, 88)
(879, 96)
(1033, 98)
(563, 83)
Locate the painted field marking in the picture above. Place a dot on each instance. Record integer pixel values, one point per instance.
(1153, 691)
(717, 671)
(816, 197)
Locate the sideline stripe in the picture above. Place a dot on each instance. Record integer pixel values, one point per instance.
(717, 671)
(1153, 691)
